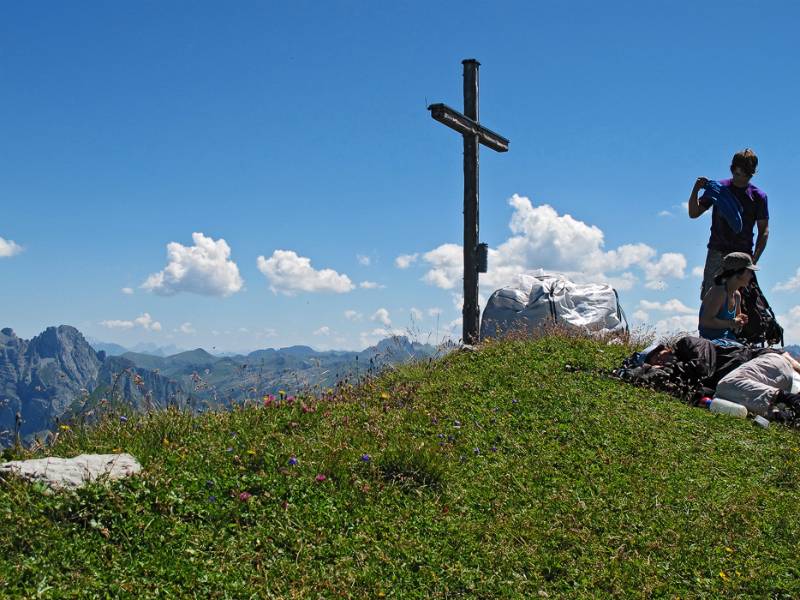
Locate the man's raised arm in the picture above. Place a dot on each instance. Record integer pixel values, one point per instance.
(695, 208)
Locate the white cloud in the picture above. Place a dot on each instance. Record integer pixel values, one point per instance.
(541, 238)
(187, 328)
(382, 315)
(790, 284)
(9, 248)
(145, 321)
(416, 314)
(371, 285)
(434, 312)
(791, 323)
(204, 269)
(289, 273)
(671, 306)
(656, 285)
(127, 291)
(243, 330)
(698, 271)
(447, 266)
(641, 316)
(370, 338)
(664, 213)
(676, 324)
(405, 260)
(363, 260)
(353, 315)
(324, 330)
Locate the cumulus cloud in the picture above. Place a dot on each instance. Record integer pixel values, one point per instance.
(790, 284)
(145, 321)
(670, 306)
(405, 260)
(289, 273)
(324, 330)
(641, 316)
(416, 314)
(446, 266)
(434, 312)
(353, 315)
(541, 238)
(382, 315)
(371, 285)
(363, 260)
(205, 269)
(698, 271)
(127, 291)
(791, 323)
(186, 328)
(9, 248)
(676, 324)
(372, 337)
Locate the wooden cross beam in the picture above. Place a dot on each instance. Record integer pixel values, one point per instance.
(474, 135)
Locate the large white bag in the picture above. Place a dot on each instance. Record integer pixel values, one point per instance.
(539, 298)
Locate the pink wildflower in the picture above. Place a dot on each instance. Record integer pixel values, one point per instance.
(320, 478)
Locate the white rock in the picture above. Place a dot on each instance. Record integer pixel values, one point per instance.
(70, 473)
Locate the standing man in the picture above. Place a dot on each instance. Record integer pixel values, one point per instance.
(725, 240)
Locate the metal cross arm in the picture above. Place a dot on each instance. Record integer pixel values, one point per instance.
(466, 126)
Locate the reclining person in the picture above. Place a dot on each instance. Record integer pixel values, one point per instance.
(762, 383)
(689, 367)
(721, 314)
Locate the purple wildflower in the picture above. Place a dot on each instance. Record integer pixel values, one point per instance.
(245, 496)
(123, 419)
(292, 461)
(365, 457)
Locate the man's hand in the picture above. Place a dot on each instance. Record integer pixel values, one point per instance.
(700, 183)
(740, 320)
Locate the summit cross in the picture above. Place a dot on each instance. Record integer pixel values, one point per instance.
(475, 253)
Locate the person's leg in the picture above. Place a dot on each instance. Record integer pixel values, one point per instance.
(754, 395)
(713, 263)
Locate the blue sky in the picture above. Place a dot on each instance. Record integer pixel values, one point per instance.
(151, 152)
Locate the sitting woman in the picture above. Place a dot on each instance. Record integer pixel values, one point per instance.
(721, 313)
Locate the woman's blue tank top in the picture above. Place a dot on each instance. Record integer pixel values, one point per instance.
(724, 313)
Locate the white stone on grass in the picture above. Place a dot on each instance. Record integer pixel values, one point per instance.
(71, 473)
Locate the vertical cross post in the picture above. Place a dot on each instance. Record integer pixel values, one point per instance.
(470, 312)
(474, 135)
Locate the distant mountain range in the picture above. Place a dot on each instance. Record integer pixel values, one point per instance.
(58, 375)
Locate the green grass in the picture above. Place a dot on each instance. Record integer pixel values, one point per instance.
(497, 473)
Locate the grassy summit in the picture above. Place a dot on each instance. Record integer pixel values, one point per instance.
(498, 473)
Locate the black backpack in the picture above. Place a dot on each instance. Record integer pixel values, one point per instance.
(761, 327)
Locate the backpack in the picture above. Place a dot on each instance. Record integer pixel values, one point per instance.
(761, 327)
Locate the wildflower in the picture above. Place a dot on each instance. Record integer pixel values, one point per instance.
(116, 450)
(434, 420)
(441, 436)
(307, 409)
(245, 496)
(268, 400)
(209, 483)
(165, 441)
(456, 424)
(292, 461)
(494, 448)
(285, 505)
(476, 450)
(365, 457)
(289, 399)
(384, 395)
(65, 428)
(123, 419)
(212, 499)
(282, 394)
(320, 477)
(514, 401)
(228, 449)
(251, 452)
